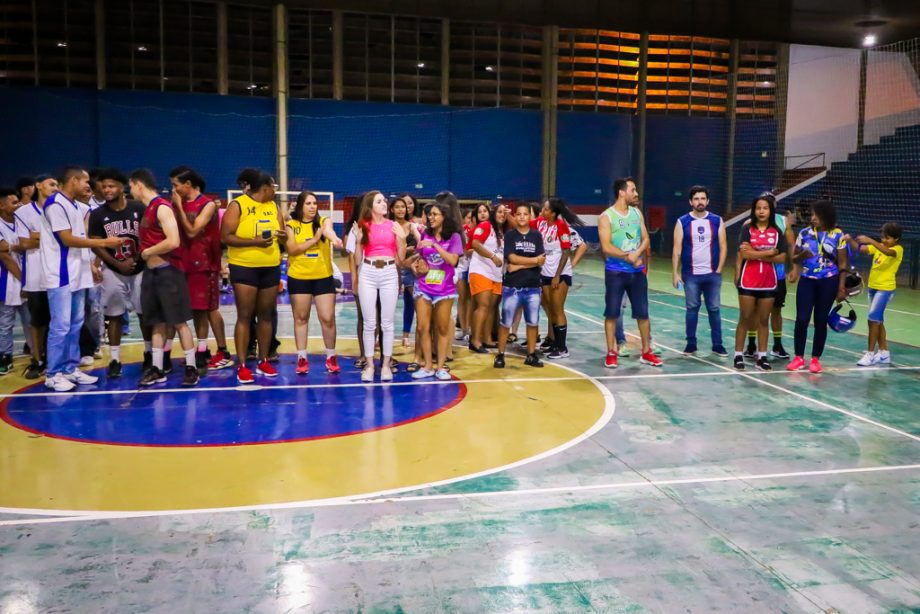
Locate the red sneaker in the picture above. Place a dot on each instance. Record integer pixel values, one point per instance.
(220, 360)
(332, 365)
(649, 358)
(815, 365)
(611, 361)
(265, 368)
(244, 375)
(303, 367)
(797, 364)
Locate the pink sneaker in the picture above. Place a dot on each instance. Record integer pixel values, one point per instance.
(649, 358)
(797, 364)
(332, 365)
(265, 368)
(303, 367)
(815, 365)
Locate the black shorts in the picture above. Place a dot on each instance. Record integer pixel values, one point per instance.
(164, 297)
(38, 308)
(315, 287)
(260, 277)
(548, 281)
(757, 293)
(780, 296)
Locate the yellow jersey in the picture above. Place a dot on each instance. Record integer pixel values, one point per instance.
(316, 262)
(885, 268)
(255, 219)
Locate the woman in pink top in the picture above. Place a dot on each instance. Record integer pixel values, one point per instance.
(381, 246)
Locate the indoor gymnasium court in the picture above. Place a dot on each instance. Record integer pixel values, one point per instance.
(673, 479)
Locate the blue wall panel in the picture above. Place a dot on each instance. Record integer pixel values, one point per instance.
(593, 150)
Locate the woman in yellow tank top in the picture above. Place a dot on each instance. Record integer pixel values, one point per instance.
(310, 239)
(251, 229)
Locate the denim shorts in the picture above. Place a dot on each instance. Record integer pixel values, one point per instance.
(528, 298)
(878, 300)
(618, 284)
(434, 300)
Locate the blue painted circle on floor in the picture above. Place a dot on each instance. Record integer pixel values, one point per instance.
(219, 413)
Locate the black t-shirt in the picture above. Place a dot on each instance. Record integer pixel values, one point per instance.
(527, 245)
(105, 222)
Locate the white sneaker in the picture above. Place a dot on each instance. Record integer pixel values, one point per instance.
(422, 373)
(79, 377)
(59, 383)
(882, 358)
(867, 360)
(86, 361)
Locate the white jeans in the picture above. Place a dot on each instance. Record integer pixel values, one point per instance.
(372, 281)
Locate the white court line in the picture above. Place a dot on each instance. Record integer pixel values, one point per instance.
(377, 500)
(771, 385)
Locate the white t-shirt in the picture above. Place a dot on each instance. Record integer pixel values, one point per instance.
(86, 209)
(351, 243)
(10, 287)
(484, 266)
(28, 219)
(61, 265)
(576, 241)
(555, 240)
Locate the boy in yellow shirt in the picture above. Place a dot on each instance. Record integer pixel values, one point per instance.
(887, 255)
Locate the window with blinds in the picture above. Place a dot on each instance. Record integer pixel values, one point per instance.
(688, 75)
(250, 57)
(756, 79)
(598, 69)
(495, 65)
(310, 53)
(190, 46)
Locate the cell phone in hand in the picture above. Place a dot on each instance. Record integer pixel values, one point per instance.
(266, 234)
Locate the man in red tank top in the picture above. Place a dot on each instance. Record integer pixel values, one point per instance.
(199, 225)
(164, 293)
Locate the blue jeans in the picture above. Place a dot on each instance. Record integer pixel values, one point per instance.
(408, 307)
(67, 311)
(710, 286)
(621, 334)
(8, 321)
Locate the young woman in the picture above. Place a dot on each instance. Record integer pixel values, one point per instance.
(820, 254)
(553, 224)
(762, 244)
(351, 247)
(463, 278)
(413, 209)
(486, 275)
(439, 248)
(381, 246)
(251, 228)
(310, 239)
(399, 213)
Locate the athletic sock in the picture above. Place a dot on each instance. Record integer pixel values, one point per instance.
(761, 354)
(302, 354)
(202, 345)
(158, 358)
(330, 353)
(777, 337)
(148, 346)
(559, 333)
(737, 354)
(116, 352)
(190, 357)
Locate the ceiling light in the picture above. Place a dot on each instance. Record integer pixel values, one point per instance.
(61, 44)
(252, 86)
(421, 64)
(869, 40)
(141, 48)
(489, 69)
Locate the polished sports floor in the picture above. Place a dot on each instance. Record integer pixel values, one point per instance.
(567, 489)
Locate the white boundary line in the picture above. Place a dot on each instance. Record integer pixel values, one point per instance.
(377, 500)
(601, 422)
(775, 386)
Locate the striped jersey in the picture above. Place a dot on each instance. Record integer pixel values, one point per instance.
(61, 265)
(700, 248)
(28, 219)
(10, 287)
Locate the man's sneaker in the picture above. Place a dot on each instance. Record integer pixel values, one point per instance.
(649, 358)
(5, 368)
(114, 369)
(546, 345)
(303, 366)
(167, 365)
(86, 361)
(273, 356)
(332, 365)
(81, 378)
(265, 368)
(251, 353)
(59, 383)
(499, 362)
(690, 350)
(533, 360)
(220, 360)
(26, 349)
(657, 351)
(148, 361)
(797, 364)
(867, 360)
(739, 363)
(720, 351)
(191, 377)
(763, 364)
(611, 360)
(152, 376)
(623, 351)
(882, 359)
(244, 375)
(34, 370)
(779, 352)
(556, 354)
(201, 362)
(815, 365)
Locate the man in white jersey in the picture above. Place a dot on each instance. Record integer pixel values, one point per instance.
(66, 275)
(10, 278)
(94, 320)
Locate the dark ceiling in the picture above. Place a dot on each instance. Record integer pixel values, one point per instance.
(819, 22)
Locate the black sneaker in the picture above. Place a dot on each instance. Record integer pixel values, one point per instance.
(720, 351)
(273, 356)
(478, 350)
(191, 376)
(546, 345)
(114, 369)
(152, 376)
(499, 362)
(533, 360)
(556, 354)
(167, 365)
(780, 352)
(201, 362)
(739, 362)
(690, 349)
(763, 364)
(148, 362)
(751, 351)
(26, 350)
(35, 370)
